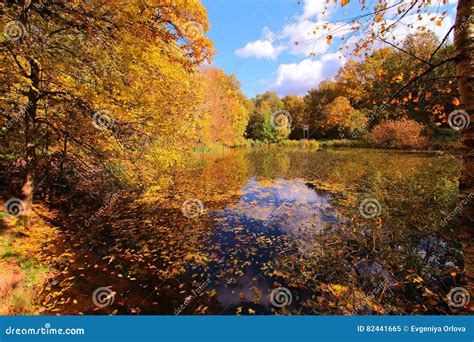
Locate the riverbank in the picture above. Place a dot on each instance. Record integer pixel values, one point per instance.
(309, 144)
(24, 266)
(229, 225)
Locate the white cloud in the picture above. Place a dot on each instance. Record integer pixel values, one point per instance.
(316, 8)
(412, 23)
(298, 78)
(308, 37)
(261, 49)
(301, 29)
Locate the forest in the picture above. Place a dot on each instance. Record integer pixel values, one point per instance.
(137, 177)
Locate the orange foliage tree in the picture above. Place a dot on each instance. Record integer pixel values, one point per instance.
(225, 111)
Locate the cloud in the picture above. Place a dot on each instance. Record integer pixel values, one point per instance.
(300, 29)
(307, 37)
(298, 78)
(411, 24)
(318, 8)
(261, 49)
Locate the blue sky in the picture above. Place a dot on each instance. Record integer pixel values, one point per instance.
(255, 40)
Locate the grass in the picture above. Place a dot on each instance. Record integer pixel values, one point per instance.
(315, 144)
(23, 272)
(436, 145)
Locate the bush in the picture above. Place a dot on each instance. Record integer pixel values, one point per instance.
(403, 134)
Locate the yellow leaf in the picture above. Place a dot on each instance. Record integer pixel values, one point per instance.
(251, 311)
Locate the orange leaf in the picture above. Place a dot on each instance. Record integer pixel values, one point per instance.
(456, 101)
(329, 39)
(344, 2)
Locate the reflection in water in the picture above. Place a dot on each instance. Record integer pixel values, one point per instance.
(279, 218)
(286, 205)
(271, 214)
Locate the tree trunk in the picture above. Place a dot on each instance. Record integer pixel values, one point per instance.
(27, 190)
(464, 43)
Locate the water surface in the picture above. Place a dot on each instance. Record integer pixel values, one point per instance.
(280, 231)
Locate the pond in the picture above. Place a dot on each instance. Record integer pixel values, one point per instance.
(272, 231)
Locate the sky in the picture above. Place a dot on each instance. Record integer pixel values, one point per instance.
(255, 40)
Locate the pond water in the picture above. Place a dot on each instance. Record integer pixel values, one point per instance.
(273, 231)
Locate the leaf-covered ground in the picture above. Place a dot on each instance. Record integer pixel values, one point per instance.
(270, 219)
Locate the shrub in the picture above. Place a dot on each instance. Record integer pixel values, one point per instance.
(402, 134)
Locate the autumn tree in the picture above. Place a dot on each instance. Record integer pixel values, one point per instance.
(226, 109)
(296, 107)
(316, 101)
(376, 25)
(341, 117)
(99, 80)
(261, 125)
